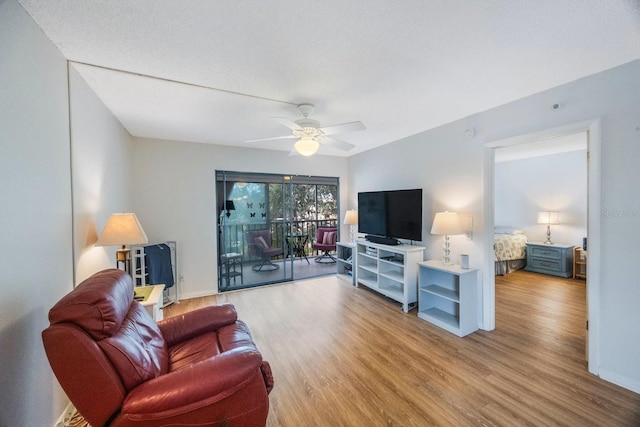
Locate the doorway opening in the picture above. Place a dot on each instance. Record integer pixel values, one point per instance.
(592, 128)
(267, 224)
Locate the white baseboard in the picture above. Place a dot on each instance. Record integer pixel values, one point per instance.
(190, 295)
(620, 380)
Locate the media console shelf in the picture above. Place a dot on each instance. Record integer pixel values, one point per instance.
(344, 257)
(389, 270)
(448, 297)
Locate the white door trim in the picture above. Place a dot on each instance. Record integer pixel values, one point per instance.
(593, 129)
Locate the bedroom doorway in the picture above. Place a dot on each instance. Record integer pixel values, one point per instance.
(591, 130)
(547, 175)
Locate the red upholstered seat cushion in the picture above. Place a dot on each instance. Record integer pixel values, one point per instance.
(138, 350)
(208, 345)
(326, 239)
(194, 350)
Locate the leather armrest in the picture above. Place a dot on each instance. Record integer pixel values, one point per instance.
(205, 383)
(191, 324)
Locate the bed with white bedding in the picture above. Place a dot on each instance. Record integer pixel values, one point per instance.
(510, 248)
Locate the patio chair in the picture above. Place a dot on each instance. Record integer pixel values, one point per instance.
(259, 244)
(326, 242)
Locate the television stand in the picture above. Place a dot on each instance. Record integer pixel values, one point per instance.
(382, 240)
(389, 270)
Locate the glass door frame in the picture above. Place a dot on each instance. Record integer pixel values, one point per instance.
(225, 184)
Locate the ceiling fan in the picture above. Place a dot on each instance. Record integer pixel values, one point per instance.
(310, 135)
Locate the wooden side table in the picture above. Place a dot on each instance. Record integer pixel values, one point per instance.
(579, 263)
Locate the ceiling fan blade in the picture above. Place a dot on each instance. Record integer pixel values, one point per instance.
(337, 143)
(293, 153)
(343, 128)
(271, 139)
(286, 122)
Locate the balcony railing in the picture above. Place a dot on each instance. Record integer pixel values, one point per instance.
(233, 237)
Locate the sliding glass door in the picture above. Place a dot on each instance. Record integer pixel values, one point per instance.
(267, 224)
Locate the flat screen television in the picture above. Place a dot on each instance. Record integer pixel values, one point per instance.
(385, 216)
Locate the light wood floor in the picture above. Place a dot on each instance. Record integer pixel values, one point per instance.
(345, 356)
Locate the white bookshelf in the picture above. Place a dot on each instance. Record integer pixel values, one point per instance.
(448, 297)
(345, 262)
(390, 270)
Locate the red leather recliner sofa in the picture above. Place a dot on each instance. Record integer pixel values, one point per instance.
(119, 368)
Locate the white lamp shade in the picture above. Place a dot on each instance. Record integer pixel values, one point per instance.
(122, 229)
(306, 146)
(351, 217)
(447, 223)
(548, 217)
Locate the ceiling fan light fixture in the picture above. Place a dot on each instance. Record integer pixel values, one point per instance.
(306, 146)
(310, 135)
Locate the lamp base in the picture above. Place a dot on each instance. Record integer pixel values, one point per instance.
(446, 251)
(548, 241)
(352, 234)
(124, 256)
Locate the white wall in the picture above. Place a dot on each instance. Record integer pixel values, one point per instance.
(556, 182)
(451, 171)
(35, 220)
(48, 235)
(102, 170)
(175, 197)
(445, 167)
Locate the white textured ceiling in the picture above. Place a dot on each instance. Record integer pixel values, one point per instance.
(400, 67)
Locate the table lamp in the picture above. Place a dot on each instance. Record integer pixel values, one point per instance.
(351, 218)
(122, 229)
(548, 217)
(446, 223)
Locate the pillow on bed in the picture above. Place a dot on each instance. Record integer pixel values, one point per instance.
(507, 230)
